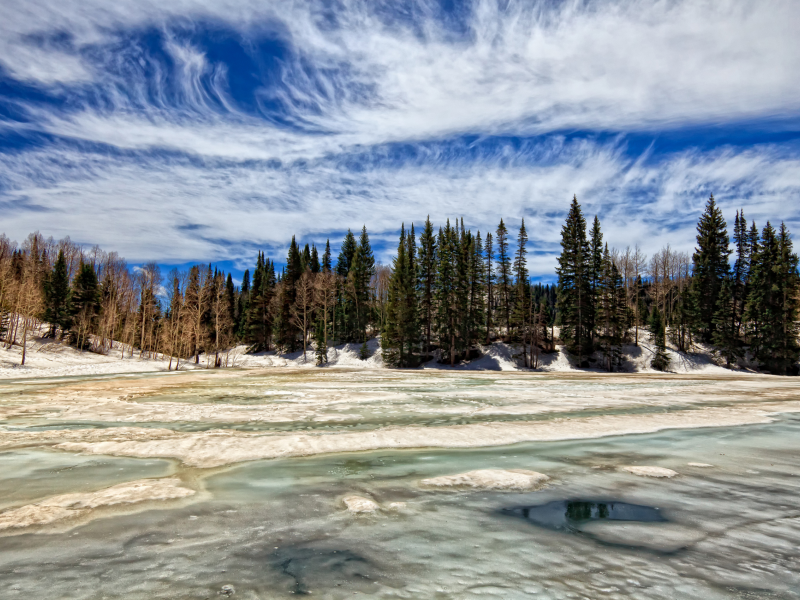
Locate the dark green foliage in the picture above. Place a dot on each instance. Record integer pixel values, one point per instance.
(363, 353)
(725, 337)
(521, 309)
(314, 262)
(490, 279)
(326, 258)
(574, 285)
(260, 316)
(57, 293)
(772, 305)
(611, 312)
(426, 280)
(447, 290)
(596, 272)
(319, 343)
(660, 360)
(503, 275)
(710, 268)
(86, 303)
(400, 335)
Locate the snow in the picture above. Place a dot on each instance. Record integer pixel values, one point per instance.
(516, 480)
(359, 504)
(650, 471)
(48, 358)
(80, 505)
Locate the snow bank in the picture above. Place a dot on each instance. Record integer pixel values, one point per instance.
(223, 447)
(650, 471)
(72, 506)
(510, 480)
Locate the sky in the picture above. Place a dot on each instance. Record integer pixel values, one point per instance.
(182, 131)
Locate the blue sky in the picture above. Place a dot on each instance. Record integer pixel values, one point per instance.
(205, 130)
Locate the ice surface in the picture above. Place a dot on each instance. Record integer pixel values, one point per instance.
(276, 527)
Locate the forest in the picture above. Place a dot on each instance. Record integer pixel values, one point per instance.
(447, 293)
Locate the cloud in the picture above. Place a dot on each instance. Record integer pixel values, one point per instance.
(204, 129)
(174, 210)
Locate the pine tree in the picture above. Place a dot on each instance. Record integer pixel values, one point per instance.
(574, 289)
(611, 311)
(305, 259)
(725, 336)
(596, 266)
(772, 307)
(710, 268)
(741, 267)
(661, 359)
(489, 274)
(504, 274)
(400, 334)
(446, 293)
(787, 348)
(521, 296)
(57, 297)
(477, 296)
(320, 344)
(426, 280)
(85, 302)
(314, 263)
(326, 258)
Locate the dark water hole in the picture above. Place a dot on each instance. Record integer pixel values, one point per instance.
(571, 514)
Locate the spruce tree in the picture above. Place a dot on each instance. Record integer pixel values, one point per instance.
(521, 296)
(314, 264)
(660, 361)
(574, 288)
(504, 275)
(57, 297)
(741, 268)
(319, 342)
(596, 266)
(787, 349)
(446, 293)
(725, 336)
(426, 280)
(611, 311)
(710, 268)
(477, 297)
(400, 332)
(85, 302)
(489, 274)
(305, 259)
(326, 258)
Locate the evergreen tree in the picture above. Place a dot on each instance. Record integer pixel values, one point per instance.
(305, 259)
(243, 305)
(725, 337)
(772, 307)
(521, 296)
(611, 315)
(326, 258)
(596, 267)
(426, 280)
(85, 302)
(362, 270)
(504, 274)
(400, 333)
(230, 297)
(574, 287)
(314, 263)
(660, 361)
(710, 268)
(489, 273)
(319, 344)
(477, 296)
(447, 293)
(57, 297)
(741, 268)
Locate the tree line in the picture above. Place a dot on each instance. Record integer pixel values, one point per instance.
(448, 292)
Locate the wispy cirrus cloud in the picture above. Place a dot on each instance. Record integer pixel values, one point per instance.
(201, 129)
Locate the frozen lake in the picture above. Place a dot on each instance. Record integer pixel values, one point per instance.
(251, 468)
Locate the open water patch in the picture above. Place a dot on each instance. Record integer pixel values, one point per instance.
(572, 515)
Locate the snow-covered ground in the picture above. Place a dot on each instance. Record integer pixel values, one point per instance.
(48, 358)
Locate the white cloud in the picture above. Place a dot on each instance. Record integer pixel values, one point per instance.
(174, 210)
